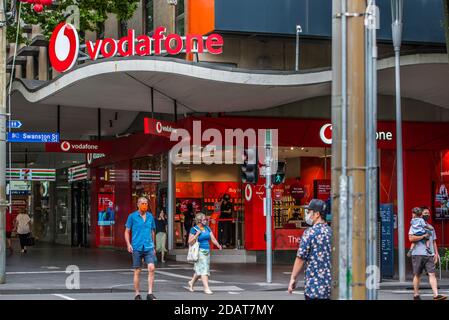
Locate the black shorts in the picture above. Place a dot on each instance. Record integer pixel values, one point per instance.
(421, 263)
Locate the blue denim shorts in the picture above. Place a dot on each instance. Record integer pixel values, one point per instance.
(147, 256)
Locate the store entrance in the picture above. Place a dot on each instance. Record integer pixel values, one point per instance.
(216, 191)
(80, 214)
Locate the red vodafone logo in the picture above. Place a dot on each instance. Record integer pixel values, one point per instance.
(248, 192)
(64, 47)
(326, 133)
(159, 127)
(65, 146)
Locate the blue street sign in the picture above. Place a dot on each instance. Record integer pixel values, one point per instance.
(33, 137)
(15, 124)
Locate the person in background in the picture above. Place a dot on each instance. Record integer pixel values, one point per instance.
(203, 234)
(142, 226)
(9, 229)
(23, 228)
(225, 227)
(422, 260)
(188, 221)
(315, 252)
(161, 234)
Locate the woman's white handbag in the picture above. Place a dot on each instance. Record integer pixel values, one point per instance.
(194, 253)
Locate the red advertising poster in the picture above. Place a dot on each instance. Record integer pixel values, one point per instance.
(189, 190)
(295, 189)
(287, 239)
(322, 189)
(441, 203)
(218, 189)
(106, 210)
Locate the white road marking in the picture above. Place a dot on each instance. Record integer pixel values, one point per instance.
(85, 271)
(223, 288)
(268, 284)
(297, 292)
(230, 292)
(170, 274)
(63, 296)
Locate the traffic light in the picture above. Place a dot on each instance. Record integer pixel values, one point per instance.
(279, 176)
(250, 167)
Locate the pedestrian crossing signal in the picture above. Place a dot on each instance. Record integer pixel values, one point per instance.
(279, 176)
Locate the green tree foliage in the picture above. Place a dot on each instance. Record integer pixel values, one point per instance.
(93, 14)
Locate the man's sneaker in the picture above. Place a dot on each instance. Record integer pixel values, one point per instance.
(151, 296)
(440, 297)
(416, 298)
(138, 297)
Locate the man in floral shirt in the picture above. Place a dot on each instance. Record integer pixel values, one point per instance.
(315, 251)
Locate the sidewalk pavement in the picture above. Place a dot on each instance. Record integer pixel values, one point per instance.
(44, 270)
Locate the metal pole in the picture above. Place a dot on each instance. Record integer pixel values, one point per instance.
(171, 192)
(400, 174)
(343, 210)
(371, 24)
(3, 115)
(336, 144)
(268, 204)
(396, 27)
(298, 31)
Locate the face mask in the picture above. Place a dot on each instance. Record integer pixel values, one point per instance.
(143, 207)
(426, 217)
(308, 218)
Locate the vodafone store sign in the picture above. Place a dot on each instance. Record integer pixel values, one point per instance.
(326, 134)
(74, 146)
(64, 45)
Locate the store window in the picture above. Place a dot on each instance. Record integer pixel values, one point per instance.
(149, 16)
(146, 178)
(106, 206)
(62, 207)
(215, 190)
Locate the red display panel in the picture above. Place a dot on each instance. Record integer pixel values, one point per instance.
(287, 239)
(189, 190)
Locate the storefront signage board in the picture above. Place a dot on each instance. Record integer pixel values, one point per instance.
(159, 128)
(64, 45)
(26, 174)
(79, 146)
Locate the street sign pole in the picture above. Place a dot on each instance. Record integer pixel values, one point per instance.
(3, 116)
(268, 203)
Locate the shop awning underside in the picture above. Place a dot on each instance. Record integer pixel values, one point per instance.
(125, 84)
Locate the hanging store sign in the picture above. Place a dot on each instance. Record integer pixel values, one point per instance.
(64, 45)
(79, 146)
(326, 134)
(146, 176)
(77, 173)
(24, 174)
(158, 127)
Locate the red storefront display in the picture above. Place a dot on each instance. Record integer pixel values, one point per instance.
(425, 155)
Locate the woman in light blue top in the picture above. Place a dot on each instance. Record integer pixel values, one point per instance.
(203, 234)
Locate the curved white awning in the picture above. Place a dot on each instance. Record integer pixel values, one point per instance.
(124, 84)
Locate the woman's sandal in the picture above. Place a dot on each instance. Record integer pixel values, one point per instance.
(208, 292)
(191, 286)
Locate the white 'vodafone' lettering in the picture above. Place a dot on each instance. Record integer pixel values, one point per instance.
(144, 45)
